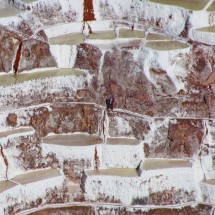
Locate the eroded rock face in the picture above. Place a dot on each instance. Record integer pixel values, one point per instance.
(88, 57)
(35, 54)
(164, 84)
(179, 138)
(9, 42)
(74, 118)
(124, 78)
(73, 169)
(124, 125)
(62, 118)
(28, 151)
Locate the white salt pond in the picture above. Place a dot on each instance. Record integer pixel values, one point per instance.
(122, 172)
(128, 33)
(7, 10)
(166, 45)
(15, 131)
(154, 164)
(210, 29)
(72, 139)
(154, 36)
(7, 79)
(187, 4)
(36, 175)
(68, 39)
(122, 141)
(5, 185)
(102, 35)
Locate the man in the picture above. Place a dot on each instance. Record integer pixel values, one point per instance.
(110, 102)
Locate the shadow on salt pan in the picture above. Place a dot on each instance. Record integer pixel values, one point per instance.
(122, 172)
(72, 139)
(187, 4)
(68, 39)
(166, 45)
(5, 185)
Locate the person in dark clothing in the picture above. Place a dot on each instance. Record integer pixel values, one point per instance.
(107, 104)
(110, 102)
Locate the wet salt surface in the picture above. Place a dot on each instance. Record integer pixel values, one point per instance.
(68, 39)
(154, 36)
(153, 164)
(166, 45)
(72, 140)
(21, 77)
(211, 7)
(122, 141)
(5, 185)
(210, 181)
(36, 175)
(187, 4)
(28, 1)
(102, 35)
(7, 10)
(123, 172)
(210, 29)
(15, 131)
(128, 33)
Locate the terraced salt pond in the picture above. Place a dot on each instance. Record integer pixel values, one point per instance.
(68, 39)
(187, 4)
(122, 141)
(211, 7)
(102, 35)
(15, 131)
(166, 45)
(154, 36)
(5, 185)
(210, 29)
(126, 172)
(36, 175)
(154, 164)
(210, 182)
(72, 139)
(7, 10)
(28, 1)
(21, 77)
(128, 33)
